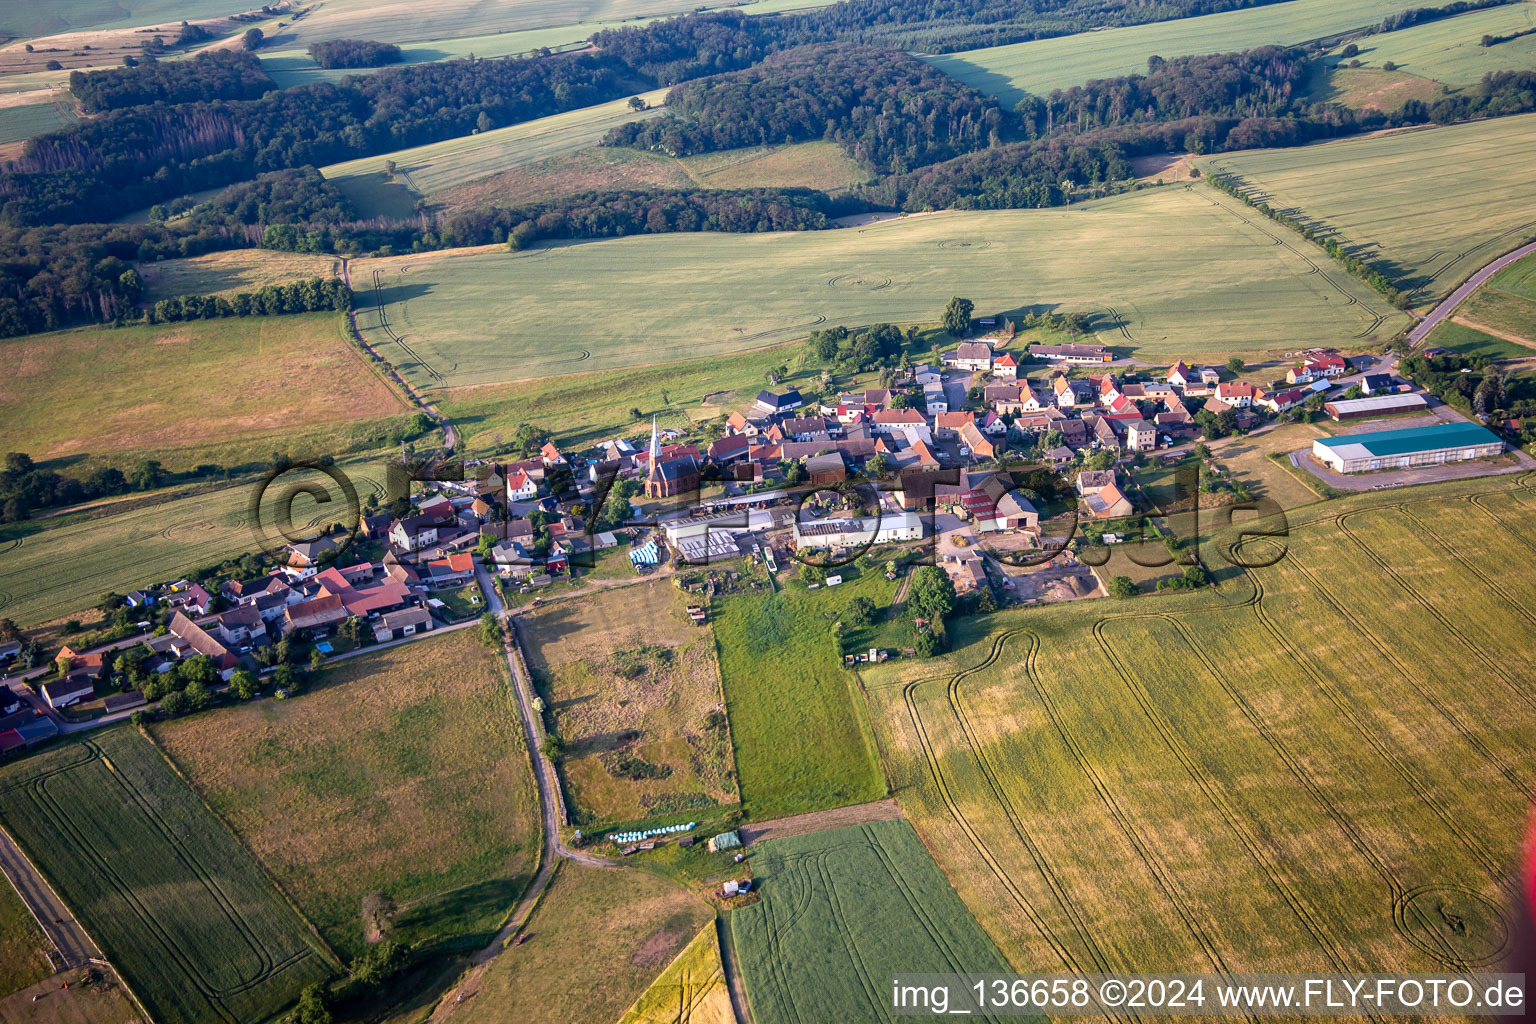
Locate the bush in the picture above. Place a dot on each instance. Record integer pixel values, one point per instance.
(1122, 587)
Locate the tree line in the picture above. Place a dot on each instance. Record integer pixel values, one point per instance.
(211, 75)
(309, 296)
(888, 110)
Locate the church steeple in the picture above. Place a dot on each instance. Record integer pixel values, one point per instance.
(655, 462)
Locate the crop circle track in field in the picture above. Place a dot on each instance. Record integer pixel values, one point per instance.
(1455, 924)
(859, 282)
(976, 244)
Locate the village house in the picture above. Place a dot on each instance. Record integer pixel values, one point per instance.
(242, 624)
(187, 639)
(521, 487)
(66, 692)
(1140, 436)
(806, 428)
(1181, 375)
(935, 400)
(893, 421)
(314, 618)
(973, 356)
(306, 555)
(191, 598)
(1236, 393)
(1005, 367)
(980, 446)
(773, 404)
(413, 533)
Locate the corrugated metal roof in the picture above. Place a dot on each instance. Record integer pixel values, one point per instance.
(1414, 439)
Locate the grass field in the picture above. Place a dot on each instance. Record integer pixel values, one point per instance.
(1375, 89)
(442, 165)
(227, 273)
(1371, 193)
(801, 739)
(818, 165)
(52, 568)
(596, 942)
(166, 891)
(1187, 271)
(104, 395)
(1507, 303)
(691, 990)
(1009, 72)
(842, 913)
(22, 944)
(1315, 766)
(582, 653)
(1450, 50)
(1469, 341)
(405, 773)
(29, 20)
(19, 121)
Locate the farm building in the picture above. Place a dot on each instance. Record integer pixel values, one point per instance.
(1401, 449)
(1379, 405)
(1078, 354)
(853, 533)
(713, 536)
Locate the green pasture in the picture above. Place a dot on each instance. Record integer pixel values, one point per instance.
(1518, 278)
(1310, 766)
(1182, 272)
(1450, 50)
(174, 901)
(1010, 72)
(844, 911)
(801, 740)
(22, 944)
(1427, 206)
(1469, 341)
(52, 568)
(432, 168)
(26, 120)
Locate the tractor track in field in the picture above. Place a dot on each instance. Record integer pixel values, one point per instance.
(1374, 738)
(1386, 651)
(1213, 792)
(1352, 831)
(1161, 875)
(1450, 628)
(1006, 883)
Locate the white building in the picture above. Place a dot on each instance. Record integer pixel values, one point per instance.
(856, 533)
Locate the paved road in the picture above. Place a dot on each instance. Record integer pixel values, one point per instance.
(1460, 295)
(58, 924)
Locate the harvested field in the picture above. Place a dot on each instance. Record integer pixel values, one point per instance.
(227, 273)
(633, 690)
(842, 913)
(597, 941)
(168, 893)
(691, 990)
(425, 170)
(1173, 271)
(1369, 193)
(115, 395)
(1307, 767)
(403, 773)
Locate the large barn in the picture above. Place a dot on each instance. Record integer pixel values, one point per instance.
(1378, 405)
(1402, 449)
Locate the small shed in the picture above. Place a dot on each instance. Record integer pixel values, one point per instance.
(724, 841)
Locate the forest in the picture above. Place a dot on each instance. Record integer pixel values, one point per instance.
(211, 75)
(354, 53)
(890, 111)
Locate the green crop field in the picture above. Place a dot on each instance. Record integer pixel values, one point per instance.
(417, 741)
(24, 120)
(226, 273)
(842, 913)
(442, 165)
(173, 900)
(52, 568)
(1313, 766)
(1469, 341)
(802, 742)
(110, 396)
(1450, 50)
(1505, 305)
(1010, 72)
(1183, 272)
(1409, 201)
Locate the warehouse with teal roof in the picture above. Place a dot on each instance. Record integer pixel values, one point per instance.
(1406, 448)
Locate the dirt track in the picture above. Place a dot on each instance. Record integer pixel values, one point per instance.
(820, 821)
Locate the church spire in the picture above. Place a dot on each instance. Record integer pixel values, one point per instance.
(655, 460)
